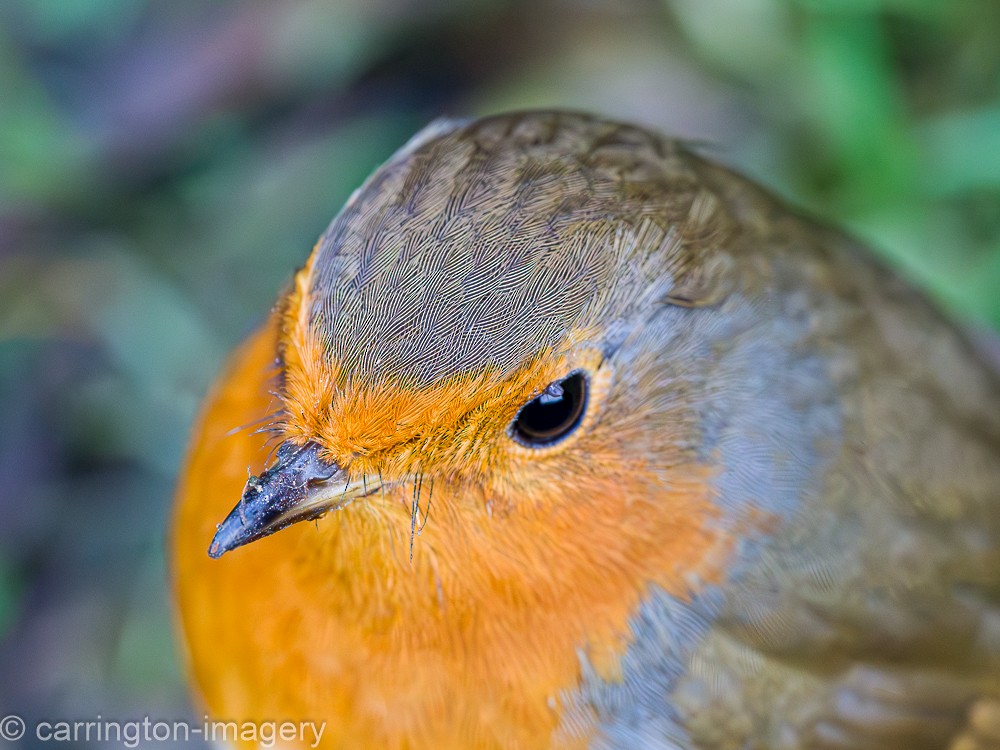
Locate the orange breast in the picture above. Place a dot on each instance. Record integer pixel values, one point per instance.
(473, 644)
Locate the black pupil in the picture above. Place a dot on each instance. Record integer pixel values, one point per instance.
(554, 414)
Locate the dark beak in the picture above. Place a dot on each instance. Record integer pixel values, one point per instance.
(300, 486)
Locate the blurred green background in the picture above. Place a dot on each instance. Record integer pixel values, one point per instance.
(166, 164)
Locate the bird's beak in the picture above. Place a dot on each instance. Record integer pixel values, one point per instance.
(300, 486)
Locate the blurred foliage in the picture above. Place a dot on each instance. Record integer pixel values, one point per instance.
(886, 117)
(166, 164)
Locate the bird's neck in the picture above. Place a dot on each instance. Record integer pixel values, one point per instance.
(495, 611)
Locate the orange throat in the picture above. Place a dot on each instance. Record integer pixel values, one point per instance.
(476, 642)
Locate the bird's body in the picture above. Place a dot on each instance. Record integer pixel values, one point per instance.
(774, 524)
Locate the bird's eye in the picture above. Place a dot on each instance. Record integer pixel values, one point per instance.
(553, 414)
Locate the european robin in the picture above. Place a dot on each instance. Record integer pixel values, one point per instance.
(622, 453)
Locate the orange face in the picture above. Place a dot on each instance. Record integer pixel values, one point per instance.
(523, 559)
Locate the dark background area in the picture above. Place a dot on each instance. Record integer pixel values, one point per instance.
(165, 165)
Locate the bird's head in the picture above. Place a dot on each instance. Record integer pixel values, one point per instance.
(486, 324)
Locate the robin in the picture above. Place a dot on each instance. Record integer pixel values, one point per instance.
(602, 447)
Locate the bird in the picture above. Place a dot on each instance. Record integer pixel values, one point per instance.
(566, 436)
